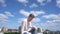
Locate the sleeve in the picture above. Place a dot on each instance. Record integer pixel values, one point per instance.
(22, 28)
(30, 25)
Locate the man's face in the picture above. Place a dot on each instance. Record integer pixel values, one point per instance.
(30, 18)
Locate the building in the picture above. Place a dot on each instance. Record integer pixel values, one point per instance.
(40, 30)
(19, 29)
(0, 29)
(51, 32)
(12, 30)
(4, 29)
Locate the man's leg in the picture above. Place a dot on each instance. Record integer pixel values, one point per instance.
(33, 31)
(27, 33)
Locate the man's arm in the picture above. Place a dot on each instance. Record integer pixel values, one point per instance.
(30, 26)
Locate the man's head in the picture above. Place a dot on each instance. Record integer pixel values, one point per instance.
(30, 17)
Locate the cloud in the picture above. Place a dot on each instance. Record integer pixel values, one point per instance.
(9, 14)
(43, 2)
(23, 1)
(40, 1)
(33, 5)
(49, 0)
(3, 3)
(25, 13)
(36, 20)
(56, 21)
(36, 13)
(50, 25)
(55, 17)
(3, 16)
(53, 23)
(47, 24)
(20, 20)
(3, 19)
(58, 3)
(52, 16)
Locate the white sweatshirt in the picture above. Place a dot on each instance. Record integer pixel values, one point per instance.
(25, 26)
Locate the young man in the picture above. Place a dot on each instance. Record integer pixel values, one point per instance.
(26, 25)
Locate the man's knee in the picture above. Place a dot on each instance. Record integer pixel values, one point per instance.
(27, 33)
(32, 29)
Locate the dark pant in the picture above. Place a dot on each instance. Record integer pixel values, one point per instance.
(25, 33)
(33, 31)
